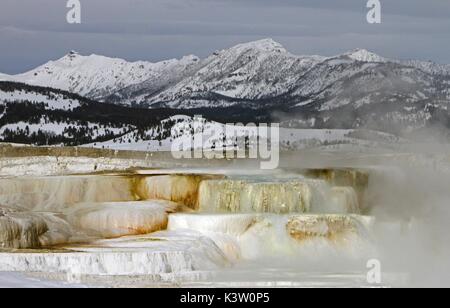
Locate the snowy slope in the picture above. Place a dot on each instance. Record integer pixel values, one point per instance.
(254, 75)
(339, 81)
(255, 70)
(183, 130)
(52, 101)
(36, 115)
(4, 77)
(43, 116)
(364, 55)
(96, 76)
(261, 79)
(430, 67)
(264, 74)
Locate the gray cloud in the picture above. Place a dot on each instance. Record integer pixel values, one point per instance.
(32, 32)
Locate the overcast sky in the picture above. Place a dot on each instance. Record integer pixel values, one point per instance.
(35, 31)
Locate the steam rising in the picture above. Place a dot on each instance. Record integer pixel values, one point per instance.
(241, 226)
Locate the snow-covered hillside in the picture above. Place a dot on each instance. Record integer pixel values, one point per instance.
(256, 74)
(97, 76)
(263, 74)
(259, 80)
(44, 116)
(255, 70)
(184, 133)
(52, 101)
(35, 115)
(364, 55)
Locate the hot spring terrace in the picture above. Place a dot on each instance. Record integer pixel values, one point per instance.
(171, 224)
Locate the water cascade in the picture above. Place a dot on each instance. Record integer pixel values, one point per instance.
(52, 194)
(260, 236)
(121, 218)
(282, 197)
(165, 225)
(175, 188)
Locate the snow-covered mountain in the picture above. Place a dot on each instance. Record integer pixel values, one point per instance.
(253, 71)
(96, 76)
(363, 55)
(263, 74)
(261, 79)
(256, 74)
(44, 116)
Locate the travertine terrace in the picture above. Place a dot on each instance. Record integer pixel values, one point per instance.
(88, 214)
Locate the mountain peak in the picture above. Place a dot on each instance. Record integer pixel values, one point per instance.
(363, 55)
(72, 54)
(267, 44)
(190, 58)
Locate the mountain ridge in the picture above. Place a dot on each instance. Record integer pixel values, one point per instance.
(94, 76)
(255, 70)
(356, 89)
(43, 116)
